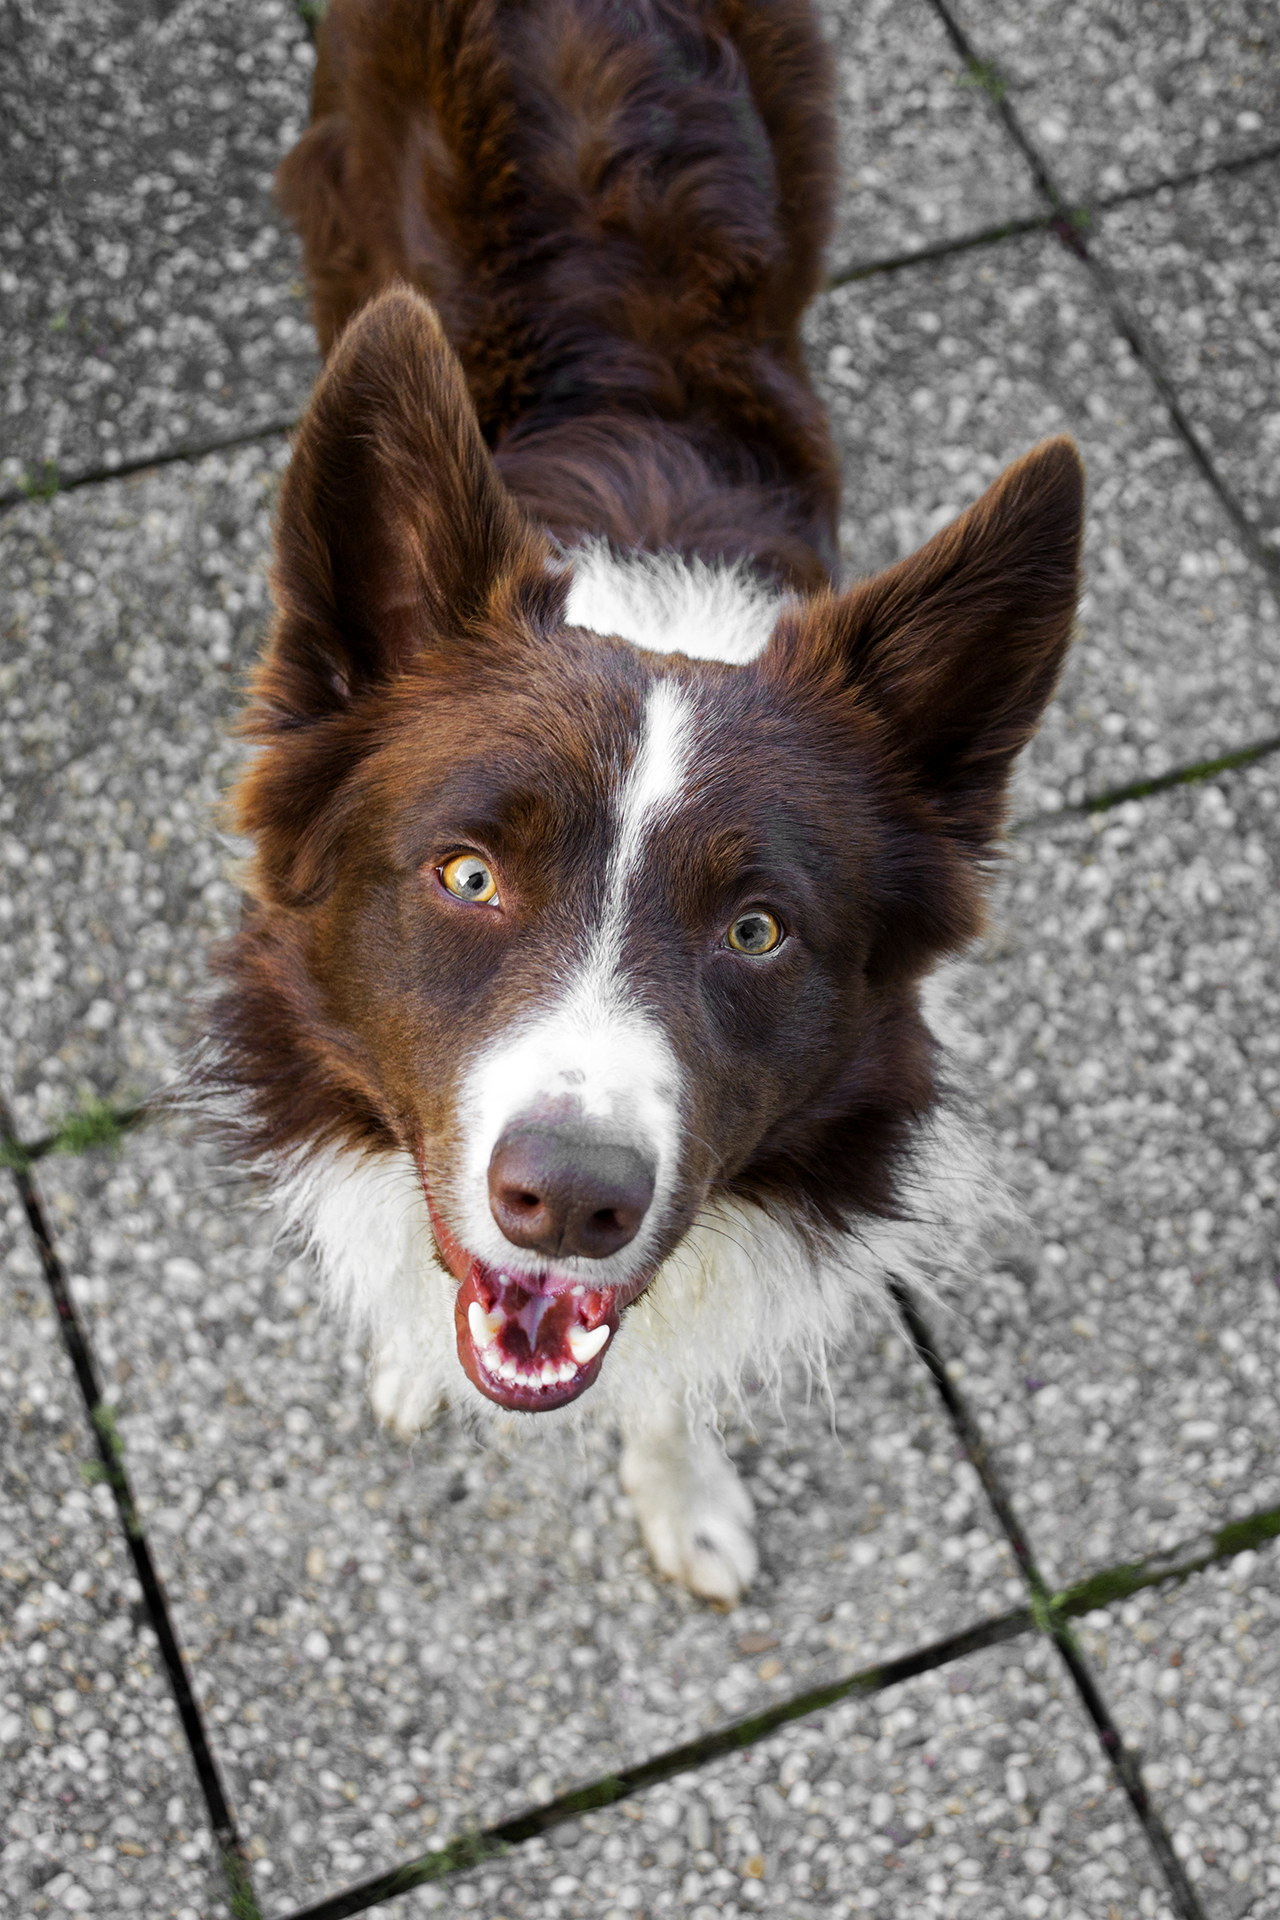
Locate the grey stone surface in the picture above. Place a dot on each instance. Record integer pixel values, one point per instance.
(921, 160)
(977, 1790)
(1193, 1675)
(1201, 268)
(392, 1644)
(937, 376)
(102, 1814)
(1124, 1360)
(389, 1642)
(1121, 96)
(131, 613)
(149, 289)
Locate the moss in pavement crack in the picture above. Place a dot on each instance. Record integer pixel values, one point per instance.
(987, 75)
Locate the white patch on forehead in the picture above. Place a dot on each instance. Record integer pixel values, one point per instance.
(668, 604)
(654, 779)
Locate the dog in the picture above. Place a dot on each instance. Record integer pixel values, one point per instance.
(604, 848)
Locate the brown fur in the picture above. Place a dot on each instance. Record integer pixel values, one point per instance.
(618, 211)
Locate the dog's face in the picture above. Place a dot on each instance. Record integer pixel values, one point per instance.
(591, 930)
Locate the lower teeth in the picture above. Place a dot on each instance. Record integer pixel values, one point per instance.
(548, 1375)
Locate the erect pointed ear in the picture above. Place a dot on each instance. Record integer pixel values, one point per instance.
(393, 528)
(957, 650)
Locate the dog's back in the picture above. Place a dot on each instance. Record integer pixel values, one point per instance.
(618, 210)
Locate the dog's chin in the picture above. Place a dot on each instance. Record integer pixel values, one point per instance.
(529, 1342)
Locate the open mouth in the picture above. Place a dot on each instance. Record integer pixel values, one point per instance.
(531, 1350)
(528, 1342)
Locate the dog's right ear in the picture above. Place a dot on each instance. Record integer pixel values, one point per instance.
(394, 532)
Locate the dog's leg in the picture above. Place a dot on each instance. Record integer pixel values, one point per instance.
(694, 1512)
(404, 1396)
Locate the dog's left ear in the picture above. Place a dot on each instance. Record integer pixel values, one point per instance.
(957, 650)
(394, 531)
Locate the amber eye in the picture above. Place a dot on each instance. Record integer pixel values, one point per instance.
(756, 932)
(467, 878)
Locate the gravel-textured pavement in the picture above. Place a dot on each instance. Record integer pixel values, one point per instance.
(391, 1648)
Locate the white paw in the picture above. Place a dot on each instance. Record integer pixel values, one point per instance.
(399, 1397)
(695, 1514)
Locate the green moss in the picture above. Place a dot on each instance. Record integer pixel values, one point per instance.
(244, 1904)
(40, 483)
(987, 75)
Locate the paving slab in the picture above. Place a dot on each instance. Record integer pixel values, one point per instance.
(1193, 1677)
(1121, 96)
(1124, 1359)
(150, 289)
(977, 1789)
(1201, 268)
(922, 160)
(132, 612)
(102, 1811)
(940, 374)
(393, 1642)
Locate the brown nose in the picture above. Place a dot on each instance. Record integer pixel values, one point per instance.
(559, 1188)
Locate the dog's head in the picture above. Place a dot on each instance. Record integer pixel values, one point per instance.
(598, 932)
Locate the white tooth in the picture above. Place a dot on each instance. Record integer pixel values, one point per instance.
(585, 1346)
(485, 1327)
(567, 1371)
(550, 1373)
(507, 1370)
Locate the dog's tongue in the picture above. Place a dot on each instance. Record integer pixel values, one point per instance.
(528, 1349)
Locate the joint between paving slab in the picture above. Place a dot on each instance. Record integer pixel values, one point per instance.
(1071, 233)
(44, 482)
(112, 1471)
(1050, 1620)
(1195, 774)
(1078, 219)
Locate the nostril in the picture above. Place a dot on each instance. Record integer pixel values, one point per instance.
(560, 1188)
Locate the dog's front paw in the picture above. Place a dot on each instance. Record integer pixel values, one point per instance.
(695, 1514)
(397, 1393)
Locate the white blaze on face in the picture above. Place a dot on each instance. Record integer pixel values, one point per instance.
(593, 1047)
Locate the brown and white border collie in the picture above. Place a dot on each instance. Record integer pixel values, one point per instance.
(603, 847)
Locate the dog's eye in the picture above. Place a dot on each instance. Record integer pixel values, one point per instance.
(756, 932)
(467, 878)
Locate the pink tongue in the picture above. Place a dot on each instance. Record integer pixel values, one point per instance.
(527, 1311)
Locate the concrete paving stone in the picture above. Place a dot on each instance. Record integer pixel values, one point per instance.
(1124, 1357)
(150, 289)
(1121, 96)
(131, 612)
(1193, 1678)
(390, 1642)
(921, 158)
(940, 374)
(979, 1789)
(102, 1813)
(1202, 269)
